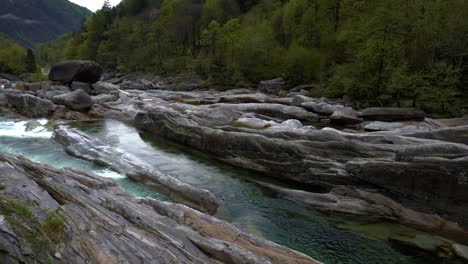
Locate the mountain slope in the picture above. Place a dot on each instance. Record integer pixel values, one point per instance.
(29, 22)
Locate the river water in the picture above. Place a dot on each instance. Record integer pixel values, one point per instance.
(247, 205)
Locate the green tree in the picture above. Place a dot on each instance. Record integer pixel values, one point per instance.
(30, 61)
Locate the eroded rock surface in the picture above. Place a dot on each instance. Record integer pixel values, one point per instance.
(66, 216)
(83, 146)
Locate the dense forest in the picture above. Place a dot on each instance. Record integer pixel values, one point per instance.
(15, 59)
(402, 52)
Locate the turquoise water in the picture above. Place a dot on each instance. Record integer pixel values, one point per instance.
(247, 205)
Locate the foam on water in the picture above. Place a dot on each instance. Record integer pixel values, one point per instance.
(110, 174)
(17, 129)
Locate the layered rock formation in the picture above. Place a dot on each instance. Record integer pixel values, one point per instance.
(66, 216)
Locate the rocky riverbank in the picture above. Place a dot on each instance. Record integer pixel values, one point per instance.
(67, 216)
(386, 164)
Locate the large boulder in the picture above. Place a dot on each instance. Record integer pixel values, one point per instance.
(80, 71)
(30, 105)
(393, 114)
(77, 100)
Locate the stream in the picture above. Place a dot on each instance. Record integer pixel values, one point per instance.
(247, 205)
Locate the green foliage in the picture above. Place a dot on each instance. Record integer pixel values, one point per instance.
(30, 61)
(12, 57)
(11, 207)
(365, 49)
(54, 226)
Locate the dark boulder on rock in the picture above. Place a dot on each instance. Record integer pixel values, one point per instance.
(80, 71)
(393, 114)
(77, 100)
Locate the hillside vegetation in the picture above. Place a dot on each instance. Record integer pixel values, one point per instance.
(411, 52)
(14, 59)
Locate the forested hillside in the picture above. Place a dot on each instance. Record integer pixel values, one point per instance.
(28, 22)
(380, 51)
(14, 59)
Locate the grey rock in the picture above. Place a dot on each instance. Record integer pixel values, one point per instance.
(457, 134)
(272, 86)
(100, 223)
(342, 119)
(32, 125)
(298, 100)
(105, 88)
(81, 85)
(9, 77)
(48, 92)
(104, 98)
(392, 114)
(83, 146)
(243, 98)
(273, 110)
(77, 100)
(30, 105)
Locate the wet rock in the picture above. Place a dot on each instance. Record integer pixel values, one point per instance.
(95, 221)
(77, 100)
(30, 105)
(79, 71)
(392, 114)
(83, 146)
(62, 112)
(32, 125)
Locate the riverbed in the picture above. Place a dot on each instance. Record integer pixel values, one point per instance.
(247, 205)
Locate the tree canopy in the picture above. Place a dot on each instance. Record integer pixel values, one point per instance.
(382, 52)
